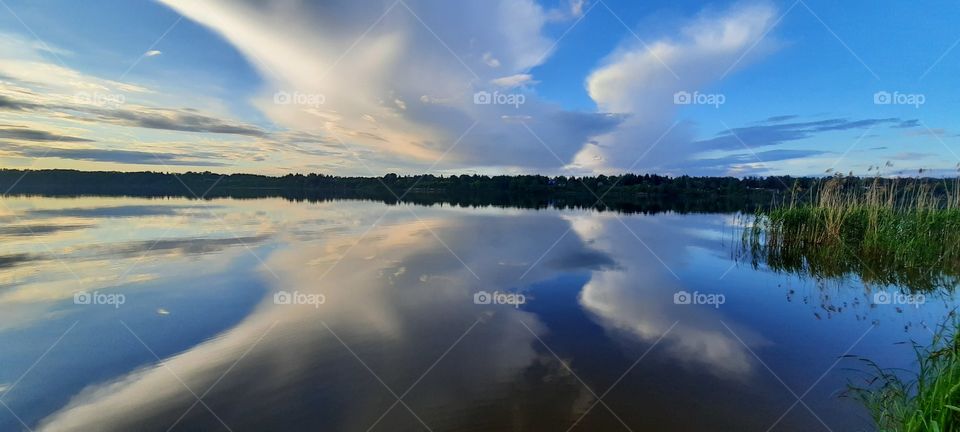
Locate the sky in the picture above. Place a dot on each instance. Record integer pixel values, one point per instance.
(555, 87)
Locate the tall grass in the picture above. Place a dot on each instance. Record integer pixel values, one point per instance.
(904, 232)
(927, 401)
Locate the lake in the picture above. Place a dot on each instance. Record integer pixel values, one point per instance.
(121, 314)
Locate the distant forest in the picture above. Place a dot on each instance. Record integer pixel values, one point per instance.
(627, 192)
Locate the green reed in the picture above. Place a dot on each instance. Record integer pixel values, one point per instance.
(928, 401)
(903, 232)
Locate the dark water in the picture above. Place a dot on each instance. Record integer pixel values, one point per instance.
(121, 314)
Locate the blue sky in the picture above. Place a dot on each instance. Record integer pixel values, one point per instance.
(575, 87)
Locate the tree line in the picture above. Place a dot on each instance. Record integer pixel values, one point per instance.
(601, 191)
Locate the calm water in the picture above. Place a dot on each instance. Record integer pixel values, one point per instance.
(121, 314)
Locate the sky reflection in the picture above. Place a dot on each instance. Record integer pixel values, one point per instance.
(400, 320)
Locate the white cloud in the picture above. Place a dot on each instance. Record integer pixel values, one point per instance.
(490, 60)
(641, 80)
(513, 81)
(23, 62)
(152, 53)
(574, 9)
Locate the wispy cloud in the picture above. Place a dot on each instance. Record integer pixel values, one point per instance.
(25, 134)
(772, 133)
(110, 155)
(744, 163)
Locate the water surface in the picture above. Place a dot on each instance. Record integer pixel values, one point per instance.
(207, 315)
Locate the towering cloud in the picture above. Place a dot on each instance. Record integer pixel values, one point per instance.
(642, 79)
(401, 82)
